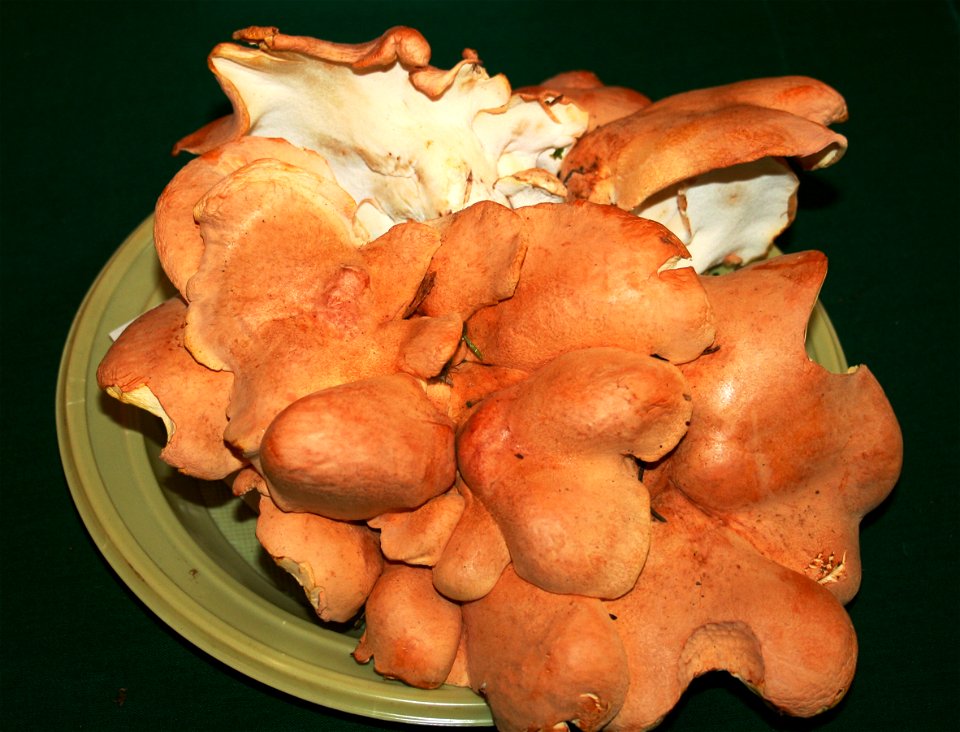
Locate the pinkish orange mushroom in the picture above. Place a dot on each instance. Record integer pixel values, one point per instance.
(791, 455)
(359, 450)
(551, 459)
(336, 562)
(603, 103)
(176, 231)
(412, 633)
(149, 367)
(541, 659)
(474, 555)
(706, 601)
(595, 276)
(708, 163)
(418, 536)
(282, 281)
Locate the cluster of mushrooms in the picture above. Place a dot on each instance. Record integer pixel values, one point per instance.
(461, 345)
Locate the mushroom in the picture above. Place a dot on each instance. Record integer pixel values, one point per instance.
(551, 459)
(706, 601)
(359, 450)
(477, 263)
(149, 367)
(176, 232)
(795, 489)
(336, 562)
(595, 276)
(412, 633)
(542, 659)
(282, 281)
(474, 555)
(708, 163)
(418, 536)
(408, 141)
(603, 103)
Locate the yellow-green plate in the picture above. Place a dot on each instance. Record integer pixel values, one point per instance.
(187, 548)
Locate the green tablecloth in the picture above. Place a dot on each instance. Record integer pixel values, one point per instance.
(93, 96)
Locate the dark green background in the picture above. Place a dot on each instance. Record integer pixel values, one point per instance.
(95, 94)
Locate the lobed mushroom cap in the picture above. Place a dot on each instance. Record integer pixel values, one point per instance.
(475, 554)
(549, 459)
(629, 160)
(359, 450)
(707, 601)
(418, 536)
(595, 276)
(176, 231)
(412, 633)
(795, 488)
(283, 281)
(337, 563)
(541, 659)
(149, 367)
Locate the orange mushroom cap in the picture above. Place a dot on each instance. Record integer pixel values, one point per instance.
(541, 659)
(176, 231)
(794, 488)
(549, 458)
(283, 285)
(336, 562)
(629, 160)
(706, 601)
(603, 103)
(412, 633)
(359, 450)
(149, 367)
(595, 276)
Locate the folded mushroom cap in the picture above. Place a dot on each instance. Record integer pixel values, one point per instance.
(663, 161)
(176, 231)
(549, 459)
(419, 536)
(707, 601)
(336, 562)
(478, 262)
(412, 633)
(408, 141)
(474, 556)
(595, 276)
(542, 659)
(359, 450)
(796, 488)
(149, 367)
(283, 284)
(603, 103)
(629, 160)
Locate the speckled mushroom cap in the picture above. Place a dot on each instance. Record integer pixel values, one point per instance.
(708, 601)
(149, 367)
(412, 632)
(709, 164)
(791, 455)
(359, 450)
(595, 276)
